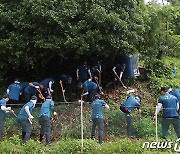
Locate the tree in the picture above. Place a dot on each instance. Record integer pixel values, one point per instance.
(33, 32)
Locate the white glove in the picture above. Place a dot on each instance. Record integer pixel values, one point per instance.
(9, 108)
(51, 90)
(31, 117)
(79, 101)
(55, 113)
(37, 87)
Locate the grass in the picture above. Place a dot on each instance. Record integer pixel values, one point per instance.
(68, 145)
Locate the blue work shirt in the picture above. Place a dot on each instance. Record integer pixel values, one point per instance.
(131, 103)
(176, 92)
(83, 71)
(2, 103)
(89, 85)
(22, 114)
(169, 103)
(97, 107)
(46, 81)
(32, 90)
(46, 108)
(14, 91)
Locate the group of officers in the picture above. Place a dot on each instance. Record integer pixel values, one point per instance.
(31, 91)
(88, 81)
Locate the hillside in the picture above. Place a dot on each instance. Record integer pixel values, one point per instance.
(66, 130)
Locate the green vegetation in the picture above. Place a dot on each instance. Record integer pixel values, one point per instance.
(160, 73)
(67, 146)
(38, 35)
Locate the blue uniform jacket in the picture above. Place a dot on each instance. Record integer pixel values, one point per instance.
(14, 91)
(169, 103)
(22, 114)
(89, 85)
(97, 107)
(46, 108)
(32, 90)
(131, 103)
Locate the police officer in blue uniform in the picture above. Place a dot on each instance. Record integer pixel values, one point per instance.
(127, 107)
(24, 118)
(170, 106)
(89, 87)
(45, 118)
(14, 92)
(3, 111)
(98, 116)
(32, 89)
(48, 82)
(83, 72)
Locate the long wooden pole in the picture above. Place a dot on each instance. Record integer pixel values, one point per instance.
(62, 89)
(82, 142)
(121, 81)
(156, 125)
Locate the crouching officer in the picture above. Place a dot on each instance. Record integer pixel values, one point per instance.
(24, 118)
(89, 87)
(97, 116)
(127, 107)
(45, 118)
(3, 111)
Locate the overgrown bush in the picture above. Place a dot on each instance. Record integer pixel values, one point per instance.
(159, 74)
(145, 127)
(157, 68)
